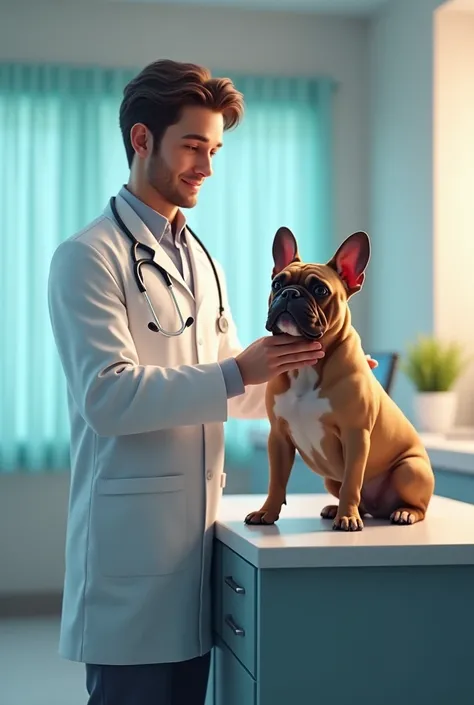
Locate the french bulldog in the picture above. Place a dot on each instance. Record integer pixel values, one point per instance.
(336, 413)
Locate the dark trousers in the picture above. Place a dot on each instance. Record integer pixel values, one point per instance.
(183, 683)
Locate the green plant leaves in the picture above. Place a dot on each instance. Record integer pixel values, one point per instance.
(433, 366)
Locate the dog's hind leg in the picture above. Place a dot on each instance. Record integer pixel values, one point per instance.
(413, 482)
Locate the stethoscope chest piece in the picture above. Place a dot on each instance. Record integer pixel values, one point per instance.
(223, 324)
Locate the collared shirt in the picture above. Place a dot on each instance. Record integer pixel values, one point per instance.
(177, 250)
(174, 245)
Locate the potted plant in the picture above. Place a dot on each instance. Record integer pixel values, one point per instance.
(434, 367)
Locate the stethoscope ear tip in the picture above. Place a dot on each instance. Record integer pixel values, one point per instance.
(152, 326)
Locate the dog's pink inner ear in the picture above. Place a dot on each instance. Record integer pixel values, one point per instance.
(351, 260)
(286, 254)
(347, 268)
(285, 249)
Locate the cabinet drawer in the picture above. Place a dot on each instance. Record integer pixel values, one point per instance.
(233, 684)
(235, 605)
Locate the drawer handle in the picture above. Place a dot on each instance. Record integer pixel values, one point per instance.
(238, 631)
(229, 580)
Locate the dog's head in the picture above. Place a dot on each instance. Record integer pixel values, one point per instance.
(311, 299)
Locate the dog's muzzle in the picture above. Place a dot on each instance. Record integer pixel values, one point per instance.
(293, 312)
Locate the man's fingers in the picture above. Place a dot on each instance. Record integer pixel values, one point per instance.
(299, 359)
(304, 346)
(297, 353)
(276, 341)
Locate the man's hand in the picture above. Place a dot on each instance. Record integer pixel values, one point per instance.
(269, 356)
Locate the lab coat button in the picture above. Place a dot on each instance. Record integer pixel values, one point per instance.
(199, 341)
(209, 474)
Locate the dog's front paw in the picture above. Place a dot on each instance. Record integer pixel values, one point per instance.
(265, 515)
(349, 522)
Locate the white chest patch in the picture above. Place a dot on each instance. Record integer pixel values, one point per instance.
(302, 407)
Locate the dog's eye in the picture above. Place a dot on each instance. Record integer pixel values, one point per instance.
(276, 285)
(320, 290)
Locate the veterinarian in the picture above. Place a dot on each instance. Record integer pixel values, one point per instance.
(153, 368)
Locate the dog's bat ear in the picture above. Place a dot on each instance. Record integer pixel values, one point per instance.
(285, 250)
(351, 260)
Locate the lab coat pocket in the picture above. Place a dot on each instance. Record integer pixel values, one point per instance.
(140, 526)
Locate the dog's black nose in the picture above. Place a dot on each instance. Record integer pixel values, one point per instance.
(290, 293)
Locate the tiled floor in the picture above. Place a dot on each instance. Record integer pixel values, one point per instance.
(31, 672)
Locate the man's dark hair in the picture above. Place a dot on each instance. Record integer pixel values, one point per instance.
(158, 94)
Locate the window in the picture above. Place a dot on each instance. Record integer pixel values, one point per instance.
(62, 157)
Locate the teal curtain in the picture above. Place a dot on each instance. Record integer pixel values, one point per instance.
(61, 157)
(274, 170)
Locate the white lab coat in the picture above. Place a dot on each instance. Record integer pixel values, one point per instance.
(147, 447)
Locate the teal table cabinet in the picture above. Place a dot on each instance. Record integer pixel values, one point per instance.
(303, 614)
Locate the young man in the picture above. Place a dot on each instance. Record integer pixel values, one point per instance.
(146, 407)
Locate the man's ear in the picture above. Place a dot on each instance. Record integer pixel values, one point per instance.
(351, 260)
(285, 250)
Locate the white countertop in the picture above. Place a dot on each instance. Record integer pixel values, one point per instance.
(451, 452)
(301, 539)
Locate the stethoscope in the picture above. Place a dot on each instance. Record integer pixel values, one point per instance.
(222, 322)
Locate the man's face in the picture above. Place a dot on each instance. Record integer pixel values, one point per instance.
(184, 158)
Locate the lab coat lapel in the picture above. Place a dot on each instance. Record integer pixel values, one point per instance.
(144, 236)
(164, 261)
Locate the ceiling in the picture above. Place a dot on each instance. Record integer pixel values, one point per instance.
(347, 7)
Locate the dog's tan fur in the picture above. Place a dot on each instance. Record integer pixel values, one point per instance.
(370, 455)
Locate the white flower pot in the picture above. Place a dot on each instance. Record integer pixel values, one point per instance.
(435, 412)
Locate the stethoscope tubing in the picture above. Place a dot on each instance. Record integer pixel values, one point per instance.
(139, 263)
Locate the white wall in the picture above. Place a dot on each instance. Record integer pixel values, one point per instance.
(34, 509)
(401, 178)
(33, 513)
(454, 189)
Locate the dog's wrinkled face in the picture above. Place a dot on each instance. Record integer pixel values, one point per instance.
(309, 299)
